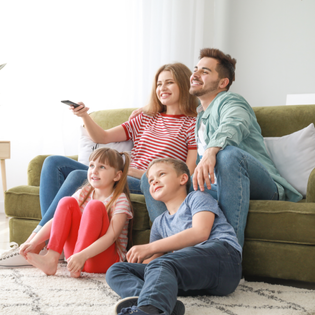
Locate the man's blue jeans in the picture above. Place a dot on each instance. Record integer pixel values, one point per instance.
(212, 268)
(61, 177)
(240, 177)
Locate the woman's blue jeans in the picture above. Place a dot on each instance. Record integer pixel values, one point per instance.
(210, 268)
(61, 177)
(240, 177)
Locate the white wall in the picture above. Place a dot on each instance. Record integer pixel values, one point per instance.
(93, 51)
(101, 52)
(274, 44)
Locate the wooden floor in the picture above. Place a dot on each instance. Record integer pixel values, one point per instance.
(4, 232)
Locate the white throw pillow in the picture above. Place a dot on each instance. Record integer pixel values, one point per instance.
(294, 156)
(87, 146)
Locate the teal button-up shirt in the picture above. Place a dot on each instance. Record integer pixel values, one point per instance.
(230, 120)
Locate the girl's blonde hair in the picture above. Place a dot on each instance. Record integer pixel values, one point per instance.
(120, 162)
(187, 103)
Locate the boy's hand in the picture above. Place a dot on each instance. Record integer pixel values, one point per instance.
(76, 262)
(137, 254)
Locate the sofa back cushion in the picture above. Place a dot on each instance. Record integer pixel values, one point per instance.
(110, 118)
(278, 121)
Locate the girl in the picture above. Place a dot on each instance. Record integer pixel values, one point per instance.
(92, 225)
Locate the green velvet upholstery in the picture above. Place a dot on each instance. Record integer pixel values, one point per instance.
(279, 236)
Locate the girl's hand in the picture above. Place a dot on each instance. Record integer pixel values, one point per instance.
(137, 254)
(76, 262)
(27, 248)
(81, 110)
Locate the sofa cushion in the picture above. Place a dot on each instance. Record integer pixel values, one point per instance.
(87, 146)
(281, 221)
(141, 217)
(23, 202)
(294, 156)
(21, 229)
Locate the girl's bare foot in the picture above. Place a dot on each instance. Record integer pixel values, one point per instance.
(75, 274)
(47, 263)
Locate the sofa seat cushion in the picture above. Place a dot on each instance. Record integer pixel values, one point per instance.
(141, 220)
(281, 221)
(23, 202)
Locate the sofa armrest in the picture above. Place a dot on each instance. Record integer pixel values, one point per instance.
(310, 192)
(35, 168)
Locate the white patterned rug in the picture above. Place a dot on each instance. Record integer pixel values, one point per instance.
(26, 291)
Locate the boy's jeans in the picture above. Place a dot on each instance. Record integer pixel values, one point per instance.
(61, 177)
(212, 267)
(240, 177)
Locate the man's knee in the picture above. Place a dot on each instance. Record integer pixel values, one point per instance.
(229, 157)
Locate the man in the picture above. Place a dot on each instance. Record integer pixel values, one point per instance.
(230, 145)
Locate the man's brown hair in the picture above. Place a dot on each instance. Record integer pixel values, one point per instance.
(226, 64)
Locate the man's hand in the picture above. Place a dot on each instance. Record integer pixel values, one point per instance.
(136, 112)
(205, 169)
(137, 254)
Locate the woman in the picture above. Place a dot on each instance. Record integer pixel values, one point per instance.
(165, 129)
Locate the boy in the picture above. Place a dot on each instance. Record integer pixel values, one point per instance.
(192, 250)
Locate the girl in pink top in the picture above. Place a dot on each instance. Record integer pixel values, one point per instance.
(92, 225)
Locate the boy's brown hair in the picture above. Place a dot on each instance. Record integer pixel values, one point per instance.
(180, 168)
(226, 64)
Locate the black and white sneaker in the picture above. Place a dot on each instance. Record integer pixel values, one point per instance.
(128, 302)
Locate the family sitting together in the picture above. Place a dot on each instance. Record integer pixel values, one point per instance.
(197, 166)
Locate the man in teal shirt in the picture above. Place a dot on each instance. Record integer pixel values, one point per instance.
(230, 146)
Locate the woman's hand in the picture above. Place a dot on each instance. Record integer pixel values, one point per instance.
(134, 172)
(81, 110)
(76, 262)
(137, 254)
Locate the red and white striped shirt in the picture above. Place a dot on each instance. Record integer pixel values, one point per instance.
(160, 136)
(120, 206)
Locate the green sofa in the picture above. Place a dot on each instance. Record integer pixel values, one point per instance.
(279, 237)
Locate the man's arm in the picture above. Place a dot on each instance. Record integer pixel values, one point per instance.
(205, 168)
(200, 231)
(235, 120)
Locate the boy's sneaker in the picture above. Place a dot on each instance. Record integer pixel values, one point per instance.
(133, 310)
(127, 305)
(12, 258)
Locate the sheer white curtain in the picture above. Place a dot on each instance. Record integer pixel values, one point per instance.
(104, 53)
